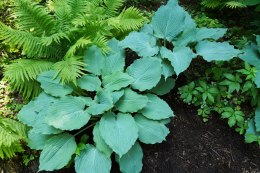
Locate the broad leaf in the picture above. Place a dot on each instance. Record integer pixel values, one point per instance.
(164, 86)
(257, 79)
(89, 83)
(92, 160)
(258, 42)
(117, 95)
(102, 103)
(131, 162)
(115, 60)
(29, 113)
(213, 51)
(213, 33)
(257, 119)
(150, 132)
(168, 21)
(53, 86)
(57, 152)
(116, 81)
(251, 55)
(68, 114)
(143, 44)
(100, 143)
(156, 109)
(251, 134)
(37, 141)
(146, 73)
(167, 68)
(131, 101)
(119, 131)
(179, 58)
(94, 60)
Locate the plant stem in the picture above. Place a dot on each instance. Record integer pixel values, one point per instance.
(84, 129)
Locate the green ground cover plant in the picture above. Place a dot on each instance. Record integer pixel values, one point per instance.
(52, 37)
(231, 3)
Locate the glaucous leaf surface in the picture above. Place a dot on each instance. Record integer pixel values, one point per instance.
(57, 152)
(89, 82)
(37, 141)
(119, 131)
(210, 33)
(164, 86)
(91, 160)
(116, 81)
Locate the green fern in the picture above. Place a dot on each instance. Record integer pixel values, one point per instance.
(59, 33)
(22, 75)
(229, 3)
(11, 132)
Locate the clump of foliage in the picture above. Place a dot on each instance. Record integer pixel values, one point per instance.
(54, 37)
(251, 55)
(173, 38)
(202, 20)
(114, 100)
(231, 3)
(11, 134)
(224, 90)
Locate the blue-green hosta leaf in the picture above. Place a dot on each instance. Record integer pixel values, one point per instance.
(42, 127)
(150, 132)
(146, 73)
(68, 114)
(92, 160)
(102, 103)
(147, 29)
(89, 82)
(100, 143)
(57, 152)
(156, 109)
(258, 42)
(251, 55)
(116, 81)
(213, 33)
(257, 119)
(115, 60)
(131, 162)
(131, 101)
(143, 44)
(87, 100)
(29, 113)
(119, 131)
(167, 68)
(189, 33)
(257, 79)
(116, 95)
(94, 60)
(164, 86)
(168, 21)
(37, 141)
(251, 134)
(53, 86)
(180, 58)
(213, 51)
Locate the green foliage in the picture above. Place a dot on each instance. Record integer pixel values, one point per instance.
(226, 91)
(105, 100)
(59, 34)
(11, 132)
(202, 20)
(230, 3)
(173, 38)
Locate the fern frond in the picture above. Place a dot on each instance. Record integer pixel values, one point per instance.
(128, 20)
(47, 41)
(32, 17)
(22, 75)
(80, 43)
(7, 152)
(235, 4)
(113, 6)
(69, 69)
(78, 7)
(101, 42)
(62, 12)
(30, 44)
(11, 131)
(212, 3)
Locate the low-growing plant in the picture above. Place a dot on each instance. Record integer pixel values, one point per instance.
(54, 37)
(230, 3)
(114, 100)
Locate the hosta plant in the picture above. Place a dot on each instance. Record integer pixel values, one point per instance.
(53, 36)
(112, 104)
(173, 38)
